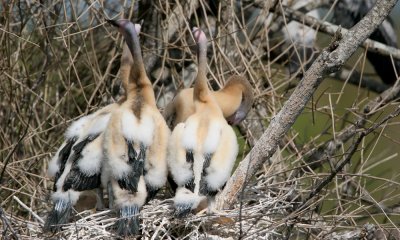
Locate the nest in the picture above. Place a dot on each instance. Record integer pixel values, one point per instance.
(250, 218)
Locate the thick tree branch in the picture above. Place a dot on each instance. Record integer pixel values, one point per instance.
(330, 60)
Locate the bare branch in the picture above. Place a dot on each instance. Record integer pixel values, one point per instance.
(345, 161)
(329, 28)
(325, 151)
(176, 20)
(355, 78)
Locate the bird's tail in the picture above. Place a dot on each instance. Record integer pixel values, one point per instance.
(128, 223)
(58, 215)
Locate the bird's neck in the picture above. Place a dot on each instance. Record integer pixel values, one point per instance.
(229, 99)
(201, 92)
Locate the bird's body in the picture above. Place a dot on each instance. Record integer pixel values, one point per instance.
(135, 142)
(203, 148)
(78, 165)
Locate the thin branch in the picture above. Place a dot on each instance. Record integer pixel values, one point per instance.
(175, 21)
(28, 209)
(315, 156)
(7, 225)
(329, 28)
(340, 165)
(355, 78)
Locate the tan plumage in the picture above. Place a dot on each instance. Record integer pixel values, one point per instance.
(135, 141)
(235, 100)
(202, 149)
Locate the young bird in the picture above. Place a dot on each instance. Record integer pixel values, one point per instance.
(135, 142)
(77, 165)
(203, 149)
(235, 101)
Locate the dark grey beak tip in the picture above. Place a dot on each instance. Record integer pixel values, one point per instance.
(112, 22)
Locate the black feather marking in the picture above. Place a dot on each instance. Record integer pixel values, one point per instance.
(212, 193)
(190, 184)
(79, 146)
(151, 192)
(131, 180)
(142, 154)
(131, 151)
(62, 158)
(182, 210)
(58, 215)
(189, 156)
(79, 181)
(190, 159)
(76, 179)
(77, 154)
(172, 184)
(204, 190)
(128, 222)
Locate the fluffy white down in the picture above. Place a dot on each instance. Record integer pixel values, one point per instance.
(70, 195)
(181, 173)
(119, 168)
(184, 196)
(179, 168)
(189, 137)
(223, 160)
(77, 127)
(54, 164)
(156, 176)
(98, 124)
(141, 131)
(92, 156)
(213, 137)
(126, 198)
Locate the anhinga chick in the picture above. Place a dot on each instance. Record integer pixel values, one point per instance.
(77, 165)
(135, 142)
(203, 149)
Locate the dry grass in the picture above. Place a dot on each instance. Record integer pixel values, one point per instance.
(60, 61)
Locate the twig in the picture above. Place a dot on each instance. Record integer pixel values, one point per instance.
(355, 78)
(11, 153)
(339, 167)
(177, 20)
(329, 28)
(7, 225)
(325, 151)
(28, 209)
